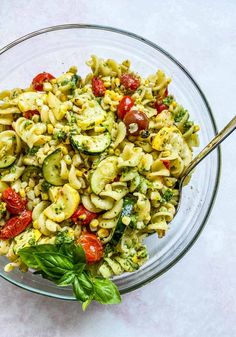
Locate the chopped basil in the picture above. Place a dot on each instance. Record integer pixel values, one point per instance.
(60, 135)
(168, 100)
(167, 195)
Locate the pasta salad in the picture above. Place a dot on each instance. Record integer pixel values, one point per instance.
(89, 167)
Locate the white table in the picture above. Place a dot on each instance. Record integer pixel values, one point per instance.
(198, 296)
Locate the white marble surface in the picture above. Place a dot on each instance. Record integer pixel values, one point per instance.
(198, 296)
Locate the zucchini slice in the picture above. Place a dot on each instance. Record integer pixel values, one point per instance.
(105, 173)
(127, 210)
(7, 161)
(52, 168)
(91, 145)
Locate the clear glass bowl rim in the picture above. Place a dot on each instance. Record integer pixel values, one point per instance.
(157, 47)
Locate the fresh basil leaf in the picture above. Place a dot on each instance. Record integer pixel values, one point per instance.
(28, 258)
(53, 263)
(86, 303)
(74, 252)
(79, 254)
(50, 278)
(66, 279)
(78, 268)
(83, 287)
(67, 250)
(27, 254)
(105, 291)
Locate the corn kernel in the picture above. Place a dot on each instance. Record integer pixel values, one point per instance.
(64, 149)
(66, 128)
(37, 190)
(63, 98)
(103, 233)
(70, 233)
(107, 84)
(94, 223)
(79, 173)
(126, 220)
(30, 195)
(196, 128)
(44, 196)
(174, 104)
(22, 193)
(31, 183)
(36, 201)
(135, 259)
(35, 224)
(47, 86)
(30, 205)
(68, 159)
(117, 152)
(117, 81)
(50, 129)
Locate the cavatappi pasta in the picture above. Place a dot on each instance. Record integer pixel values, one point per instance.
(99, 155)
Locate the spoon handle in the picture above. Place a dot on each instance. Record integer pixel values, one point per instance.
(230, 127)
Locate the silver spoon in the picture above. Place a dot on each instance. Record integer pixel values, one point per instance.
(222, 135)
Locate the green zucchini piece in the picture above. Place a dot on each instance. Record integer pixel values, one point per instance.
(105, 173)
(52, 168)
(91, 145)
(127, 210)
(7, 161)
(31, 172)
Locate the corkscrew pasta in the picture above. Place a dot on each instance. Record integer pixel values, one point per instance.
(98, 156)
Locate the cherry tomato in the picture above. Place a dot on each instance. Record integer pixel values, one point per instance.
(130, 82)
(14, 203)
(166, 162)
(83, 216)
(16, 225)
(124, 106)
(30, 113)
(38, 80)
(92, 247)
(160, 107)
(98, 87)
(135, 121)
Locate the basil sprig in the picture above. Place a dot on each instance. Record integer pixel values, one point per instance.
(65, 265)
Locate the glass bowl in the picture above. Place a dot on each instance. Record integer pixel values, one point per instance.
(54, 50)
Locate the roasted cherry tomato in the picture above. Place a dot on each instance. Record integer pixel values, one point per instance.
(16, 225)
(92, 247)
(14, 203)
(124, 106)
(30, 113)
(38, 80)
(130, 82)
(166, 162)
(160, 107)
(98, 87)
(83, 216)
(135, 121)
